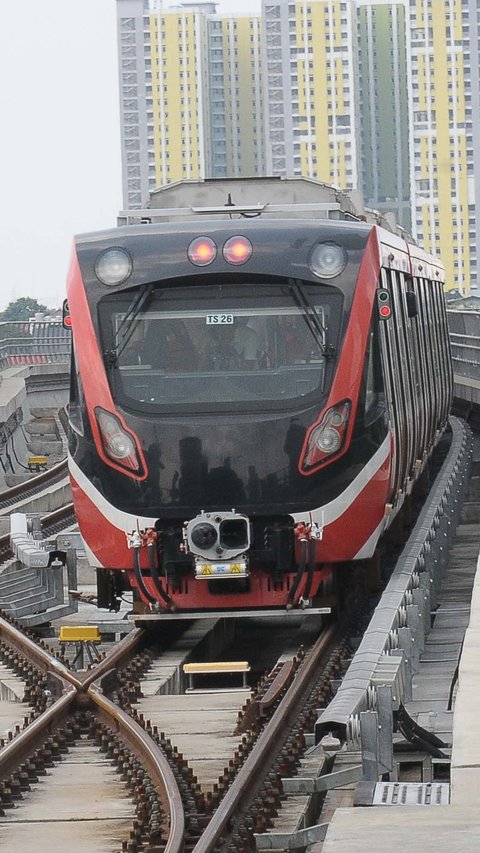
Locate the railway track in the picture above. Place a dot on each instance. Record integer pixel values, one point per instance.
(168, 809)
(190, 820)
(34, 486)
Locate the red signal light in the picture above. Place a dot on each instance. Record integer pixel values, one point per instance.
(66, 318)
(237, 250)
(202, 251)
(384, 303)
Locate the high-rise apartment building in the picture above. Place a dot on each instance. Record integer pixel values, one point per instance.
(311, 120)
(380, 96)
(472, 58)
(190, 95)
(383, 106)
(234, 84)
(441, 140)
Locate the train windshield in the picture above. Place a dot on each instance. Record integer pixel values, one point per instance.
(214, 344)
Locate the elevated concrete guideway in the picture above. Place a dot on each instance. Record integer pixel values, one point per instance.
(431, 829)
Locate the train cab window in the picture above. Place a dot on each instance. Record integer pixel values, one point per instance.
(222, 344)
(77, 403)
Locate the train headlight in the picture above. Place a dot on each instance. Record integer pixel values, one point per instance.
(117, 442)
(326, 438)
(328, 260)
(120, 445)
(113, 266)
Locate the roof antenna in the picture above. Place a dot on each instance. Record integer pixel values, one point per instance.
(229, 201)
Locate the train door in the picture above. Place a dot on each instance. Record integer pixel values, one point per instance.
(399, 403)
(425, 337)
(418, 372)
(422, 366)
(444, 376)
(407, 351)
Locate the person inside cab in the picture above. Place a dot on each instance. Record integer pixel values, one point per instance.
(246, 341)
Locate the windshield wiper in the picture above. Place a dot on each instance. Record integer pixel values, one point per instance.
(312, 319)
(127, 326)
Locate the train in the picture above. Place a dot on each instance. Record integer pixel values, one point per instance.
(256, 390)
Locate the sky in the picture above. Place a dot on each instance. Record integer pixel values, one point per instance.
(60, 167)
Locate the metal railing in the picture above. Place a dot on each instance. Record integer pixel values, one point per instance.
(464, 329)
(47, 342)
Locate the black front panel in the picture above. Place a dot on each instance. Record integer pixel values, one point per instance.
(250, 464)
(220, 372)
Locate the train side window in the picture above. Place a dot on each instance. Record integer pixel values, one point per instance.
(395, 391)
(421, 384)
(435, 350)
(400, 332)
(444, 353)
(426, 351)
(76, 403)
(374, 389)
(412, 307)
(448, 369)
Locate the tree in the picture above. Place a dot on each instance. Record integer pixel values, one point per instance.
(22, 309)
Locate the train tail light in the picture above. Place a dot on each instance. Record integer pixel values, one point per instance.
(326, 438)
(118, 444)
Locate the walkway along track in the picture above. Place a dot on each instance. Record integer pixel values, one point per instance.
(258, 780)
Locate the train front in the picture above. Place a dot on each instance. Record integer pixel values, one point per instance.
(225, 402)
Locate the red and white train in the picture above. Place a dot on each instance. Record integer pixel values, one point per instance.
(252, 401)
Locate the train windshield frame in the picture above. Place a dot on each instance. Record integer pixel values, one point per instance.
(220, 345)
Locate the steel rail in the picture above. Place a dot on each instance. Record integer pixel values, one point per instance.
(58, 519)
(152, 759)
(282, 679)
(21, 747)
(127, 647)
(35, 484)
(261, 703)
(42, 659)
(84, 691)
(266, 748)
